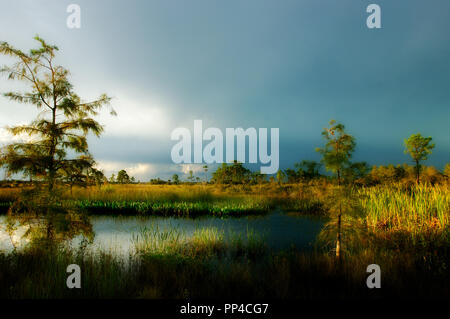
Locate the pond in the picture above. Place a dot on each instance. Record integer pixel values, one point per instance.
(279, 230)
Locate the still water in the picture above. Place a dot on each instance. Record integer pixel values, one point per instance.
(278, 229)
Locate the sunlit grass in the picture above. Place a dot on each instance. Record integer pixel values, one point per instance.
(417, 209)
(168, 208)
(188, 200)
(204, 241)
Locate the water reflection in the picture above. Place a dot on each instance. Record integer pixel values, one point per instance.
(280, 230)
(9, 240)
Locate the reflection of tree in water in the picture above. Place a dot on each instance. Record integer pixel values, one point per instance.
(48, 218)
(11, 234)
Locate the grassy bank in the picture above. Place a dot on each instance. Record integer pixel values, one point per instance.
(180, 208)
(393, 207)
(168, 265)
(183, 200)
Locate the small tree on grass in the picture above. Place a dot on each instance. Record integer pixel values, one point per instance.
(191, 177)
(123, 177)
(175, 179)
(336, 156)
(338, 149)
(234, 173)
(419, 148)
(281, 176)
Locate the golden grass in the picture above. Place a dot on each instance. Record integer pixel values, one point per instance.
(390, 207)
(416, 209)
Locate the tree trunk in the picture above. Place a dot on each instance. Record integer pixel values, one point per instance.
(418, 171)
(51, 169)
(338, 240)
(50, 231)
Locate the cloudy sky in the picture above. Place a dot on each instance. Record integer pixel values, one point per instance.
(291, 64)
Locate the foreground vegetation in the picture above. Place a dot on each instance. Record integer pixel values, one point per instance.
(402, 229)
(167, 265)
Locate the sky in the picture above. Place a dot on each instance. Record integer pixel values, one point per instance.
(291, 64)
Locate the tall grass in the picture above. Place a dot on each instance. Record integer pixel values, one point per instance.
(419, 208)
(171, 266)
(202, 242)
(157, 240)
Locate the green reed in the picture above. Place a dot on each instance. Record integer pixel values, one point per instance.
(415, 209)
(179, 208)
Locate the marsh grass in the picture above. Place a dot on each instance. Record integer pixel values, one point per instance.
(172, 269)
(188, 200)
(417, 209)
(202, 242)
(157, 240)
(165, 208)
(402, 229)
(40, 272)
